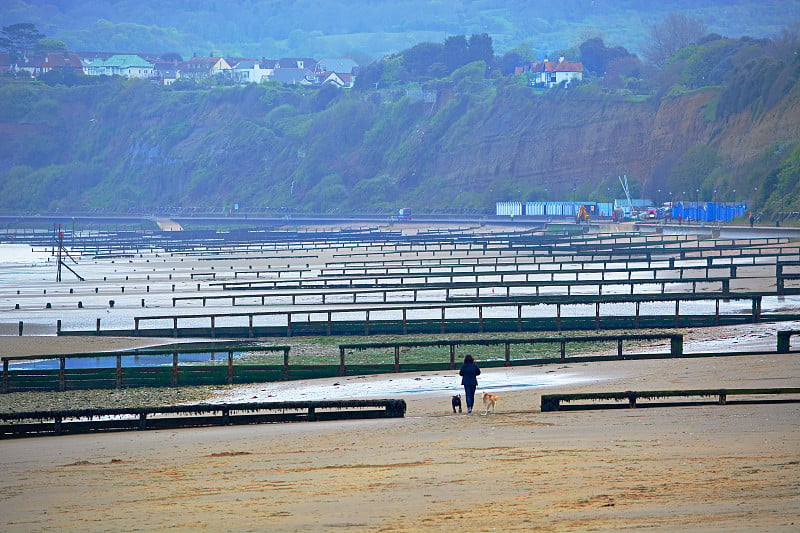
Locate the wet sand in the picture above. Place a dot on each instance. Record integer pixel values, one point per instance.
(698, 468)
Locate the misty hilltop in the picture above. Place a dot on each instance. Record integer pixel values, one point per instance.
(369, 29)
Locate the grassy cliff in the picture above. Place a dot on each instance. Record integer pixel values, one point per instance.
(463, 143)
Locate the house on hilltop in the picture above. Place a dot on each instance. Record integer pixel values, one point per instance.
(30, 64)
(125, 65)
(339, 71)
(63, 61)
(328, 77)
(250, 71)
(165, 72)
(297, 62)
(294, 76)
(204, 67)
(550, 73)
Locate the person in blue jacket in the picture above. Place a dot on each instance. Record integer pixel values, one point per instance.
(469, 378)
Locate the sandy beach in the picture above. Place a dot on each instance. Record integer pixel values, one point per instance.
(698, 468)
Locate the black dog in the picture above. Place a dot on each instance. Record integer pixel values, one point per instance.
(456, 401)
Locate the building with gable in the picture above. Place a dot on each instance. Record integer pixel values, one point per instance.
(63, 61)
(550, 73)
(198, 68)
(340, 71)
(328, 77)
(250, 71)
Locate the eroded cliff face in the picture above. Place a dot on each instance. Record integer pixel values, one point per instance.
(749, 134)
(561, 144)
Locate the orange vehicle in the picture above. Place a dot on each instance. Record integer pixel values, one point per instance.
(583, 215)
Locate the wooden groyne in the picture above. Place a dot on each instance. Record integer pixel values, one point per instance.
(676, 347)
(40, 423)
(633, 399)
(395, 318)
(124, 375)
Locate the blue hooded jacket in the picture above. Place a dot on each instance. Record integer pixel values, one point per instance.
(469, 372)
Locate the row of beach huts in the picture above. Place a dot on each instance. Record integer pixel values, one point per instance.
(635, 208)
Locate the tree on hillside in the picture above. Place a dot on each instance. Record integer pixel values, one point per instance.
(51, 45)
(480, 48)
(674, 33)
(171, 57)
(418, 59)
(596, 56)
(456, 52)
(19, 39)
(516, 57)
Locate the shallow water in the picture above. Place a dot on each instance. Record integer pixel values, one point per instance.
(387, 386)
(144, 285)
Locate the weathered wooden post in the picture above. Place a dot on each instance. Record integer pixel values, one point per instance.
(285, 375)
(5, 376)
(175, 368)
(397, 358)
(118, 373)
(341, 361)
(21, 326)
(230, 367)
(784, 341)
(676, 345)
(62, 375)
(619, 348)
(756, 308)
(452, 356)
(558, 317)
(597, 315)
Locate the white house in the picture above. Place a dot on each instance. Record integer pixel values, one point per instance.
(550, 73)
(250, 72)
(126, 65)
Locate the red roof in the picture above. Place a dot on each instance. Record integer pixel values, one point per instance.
(62, 60)
(560, 66)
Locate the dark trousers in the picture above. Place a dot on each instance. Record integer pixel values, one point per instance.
(469, 392)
